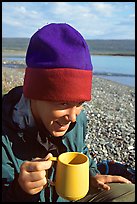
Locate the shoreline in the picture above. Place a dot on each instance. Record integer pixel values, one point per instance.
(123, 79)
(114, 54)
(7, 53)
(9, 75)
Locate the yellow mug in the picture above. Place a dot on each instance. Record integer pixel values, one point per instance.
(72, 175)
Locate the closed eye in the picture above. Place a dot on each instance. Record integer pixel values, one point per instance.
(64, 105)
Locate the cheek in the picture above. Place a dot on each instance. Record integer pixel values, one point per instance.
(59, 113)
(49, 116)
(45, 115)
(79, 110)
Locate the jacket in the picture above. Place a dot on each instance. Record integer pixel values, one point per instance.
(22, 140)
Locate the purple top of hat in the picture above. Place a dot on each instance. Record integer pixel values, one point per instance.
(58, 45)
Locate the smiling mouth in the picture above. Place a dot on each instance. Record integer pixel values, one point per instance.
(63, 125)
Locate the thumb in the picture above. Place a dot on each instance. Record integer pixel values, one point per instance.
(42, 159)
(48, 156)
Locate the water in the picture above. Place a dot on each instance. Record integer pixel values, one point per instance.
(20, 58)
(120, 69)
(114, 64)
(129, 81)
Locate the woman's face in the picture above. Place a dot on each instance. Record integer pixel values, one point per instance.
(56, 116)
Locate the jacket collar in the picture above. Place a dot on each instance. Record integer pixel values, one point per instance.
(22, 114)
(23, 118)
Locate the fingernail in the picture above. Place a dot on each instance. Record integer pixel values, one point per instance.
(30, 168)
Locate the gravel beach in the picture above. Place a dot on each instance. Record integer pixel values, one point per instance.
(110, 113)
(111, 121)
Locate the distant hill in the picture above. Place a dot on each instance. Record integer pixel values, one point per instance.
(101, 47)
(15, 44)
(114, 47)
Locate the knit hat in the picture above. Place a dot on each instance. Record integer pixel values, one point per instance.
(58, 65)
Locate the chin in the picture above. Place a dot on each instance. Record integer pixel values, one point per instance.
(59, 134)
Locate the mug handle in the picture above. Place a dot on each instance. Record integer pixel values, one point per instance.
(53, 159)
(52, 183)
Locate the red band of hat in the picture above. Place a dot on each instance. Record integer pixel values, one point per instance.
(61, 84)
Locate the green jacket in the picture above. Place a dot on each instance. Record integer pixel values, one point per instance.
(22, 140)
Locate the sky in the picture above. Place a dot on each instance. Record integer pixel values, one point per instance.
(94, 20)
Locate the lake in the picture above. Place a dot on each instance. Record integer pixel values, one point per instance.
(120, 69)
(114, 64)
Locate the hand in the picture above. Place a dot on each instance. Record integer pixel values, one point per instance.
(100, 181)
(32, 177)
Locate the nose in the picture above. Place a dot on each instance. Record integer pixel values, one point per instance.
(72, 114)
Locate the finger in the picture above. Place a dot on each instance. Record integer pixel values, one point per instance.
(36, 165)
(123, 180)
(37, 159)
(37, 184)
(34, 191)
(103, 186)
(36, 175)
(117, 179)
